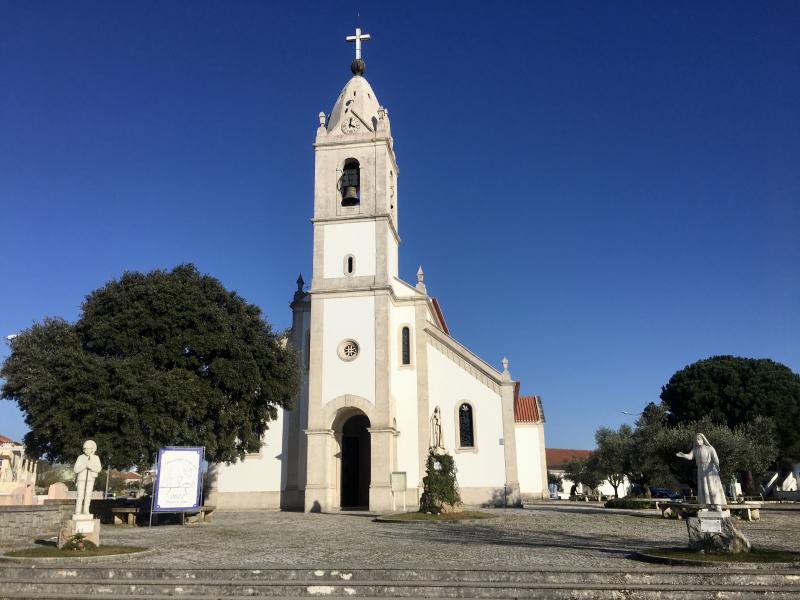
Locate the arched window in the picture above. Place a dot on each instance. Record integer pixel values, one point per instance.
(406, 345)
(350, 184)
(466, 427)
(349, 264)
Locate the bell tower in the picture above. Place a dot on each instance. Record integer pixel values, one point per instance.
(355, 189)
(354, 264)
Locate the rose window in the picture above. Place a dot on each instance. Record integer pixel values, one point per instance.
(348, 350)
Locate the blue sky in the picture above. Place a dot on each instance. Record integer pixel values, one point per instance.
(604, 192)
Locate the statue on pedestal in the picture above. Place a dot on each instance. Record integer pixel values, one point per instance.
(87, 468)
(709, 485)
(436, 430)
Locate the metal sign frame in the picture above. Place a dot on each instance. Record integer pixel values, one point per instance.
(197, 451)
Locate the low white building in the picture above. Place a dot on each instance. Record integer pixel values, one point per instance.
(17, 473)
(378, 357)
(556, 461)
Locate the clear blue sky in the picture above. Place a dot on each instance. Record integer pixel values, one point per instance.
(604, 192)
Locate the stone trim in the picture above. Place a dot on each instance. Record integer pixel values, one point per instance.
(457, 428)
(411, 347)
(457, 353)
(418, 295)
(364, 140)
(354, 291)
(361, 217)
(333, 408)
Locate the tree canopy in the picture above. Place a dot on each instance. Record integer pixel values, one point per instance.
(613, 454)
(155, 359)
(733, 391)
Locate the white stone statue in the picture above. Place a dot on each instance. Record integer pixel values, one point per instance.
(436, 429)
(709, 485)
(87, 468)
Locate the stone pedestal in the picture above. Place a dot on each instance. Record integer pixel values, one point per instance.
(85, 524)
(714, 531)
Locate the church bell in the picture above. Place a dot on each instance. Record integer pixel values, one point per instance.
(350, 194)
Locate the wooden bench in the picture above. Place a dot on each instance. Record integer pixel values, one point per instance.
(204, 515)
(119, 511)
(746, 511)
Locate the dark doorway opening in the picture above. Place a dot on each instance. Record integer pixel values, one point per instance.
(355, 464)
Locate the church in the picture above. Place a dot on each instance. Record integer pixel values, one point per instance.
(382, 376)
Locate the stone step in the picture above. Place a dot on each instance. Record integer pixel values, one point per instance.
(690, 576)
(376, 589)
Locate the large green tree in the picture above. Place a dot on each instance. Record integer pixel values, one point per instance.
(645, 466)
(613, 453)
(156, 359)
(733, 391)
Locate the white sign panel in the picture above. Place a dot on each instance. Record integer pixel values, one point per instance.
(710, 525)
(178, 479)
(398, 481)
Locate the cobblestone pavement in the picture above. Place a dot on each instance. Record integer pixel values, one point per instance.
(545, 535)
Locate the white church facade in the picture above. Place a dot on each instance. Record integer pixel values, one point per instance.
(377, 357)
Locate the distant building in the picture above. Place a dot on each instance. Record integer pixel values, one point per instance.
(130, 478)
(557, 458)
(17, 473)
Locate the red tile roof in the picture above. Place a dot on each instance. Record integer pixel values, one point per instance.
(556, 457)
(528, 409)
(440, 315)
(125, 475)
(7, 440)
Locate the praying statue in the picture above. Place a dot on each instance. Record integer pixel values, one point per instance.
(87, 468)
(436, 429)
(709, 485)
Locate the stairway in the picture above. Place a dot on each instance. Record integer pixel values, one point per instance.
(101, 582)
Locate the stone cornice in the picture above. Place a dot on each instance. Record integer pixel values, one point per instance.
(463, 357)
(351, 219)
(361, 140)
(354, 291)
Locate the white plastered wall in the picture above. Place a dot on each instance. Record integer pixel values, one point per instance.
(256, 473)
(404, 390)
(343, 239)
(529, 460)
(448, 385)
(348, 318)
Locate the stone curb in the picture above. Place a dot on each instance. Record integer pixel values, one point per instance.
(722, 565)
(65, 560)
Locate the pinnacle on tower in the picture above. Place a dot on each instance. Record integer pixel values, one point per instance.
(420, 280)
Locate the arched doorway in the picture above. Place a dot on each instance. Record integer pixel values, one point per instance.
(355, 467)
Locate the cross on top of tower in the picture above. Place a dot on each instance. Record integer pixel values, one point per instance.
(358, 66)
(357, 39)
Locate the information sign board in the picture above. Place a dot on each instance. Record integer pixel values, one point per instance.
(179, 479)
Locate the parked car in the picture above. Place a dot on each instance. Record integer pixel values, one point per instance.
(659, 492)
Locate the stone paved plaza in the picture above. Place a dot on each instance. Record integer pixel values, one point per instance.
(544, 535)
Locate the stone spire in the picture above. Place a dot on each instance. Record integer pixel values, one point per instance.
(420, 281)
(299, 293)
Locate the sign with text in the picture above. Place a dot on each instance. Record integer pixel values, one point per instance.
(179, 479)
(399, 481)
(710, 526)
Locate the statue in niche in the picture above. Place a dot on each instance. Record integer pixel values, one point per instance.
(436, 429)
(87, 468)
(709, 484)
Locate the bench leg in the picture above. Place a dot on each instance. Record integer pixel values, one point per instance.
(132, 519)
